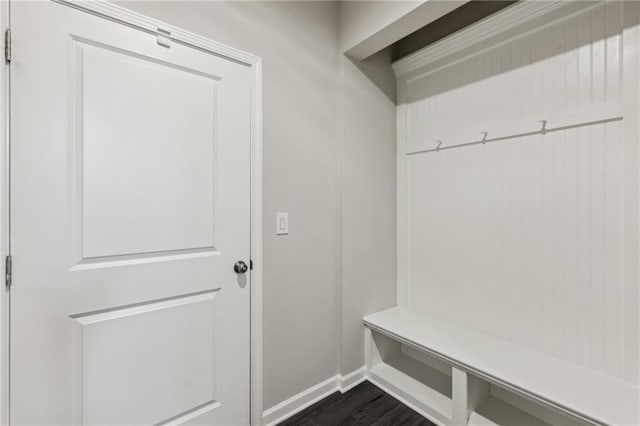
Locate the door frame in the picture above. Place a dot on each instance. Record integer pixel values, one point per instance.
(124, 16)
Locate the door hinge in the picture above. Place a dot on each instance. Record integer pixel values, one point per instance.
(7, 46)
(8, 271)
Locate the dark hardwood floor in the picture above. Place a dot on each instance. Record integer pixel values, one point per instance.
(364, 405)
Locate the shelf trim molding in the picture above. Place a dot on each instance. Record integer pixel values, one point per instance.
(499, 23)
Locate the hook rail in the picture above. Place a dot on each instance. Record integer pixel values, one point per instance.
(581, 117)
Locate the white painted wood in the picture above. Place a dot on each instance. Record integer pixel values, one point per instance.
(478, 392)
(495, 413)
(427, 360)
(4, 224)
(526, 406)
(631, 176)
(256, 244)
(300, 401)
(421, 382)
(368, 348)
(145, 23)
(516, 20)
(410, 388)
(161, 333)
(310, 396)
(137, 20)
(402, 281)
(543, 124)
(460, 396)
(469, 393)
(353, 379)
(531, 236)
(148, 184)
(580, 392)
(522, 252)
(46, 192)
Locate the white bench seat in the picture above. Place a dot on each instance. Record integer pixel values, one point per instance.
(580, 392)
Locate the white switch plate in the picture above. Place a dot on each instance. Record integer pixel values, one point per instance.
(282, 223)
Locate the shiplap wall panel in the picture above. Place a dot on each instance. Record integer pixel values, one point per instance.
(523, 238)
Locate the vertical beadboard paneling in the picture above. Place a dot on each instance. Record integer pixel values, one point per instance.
(523, 238)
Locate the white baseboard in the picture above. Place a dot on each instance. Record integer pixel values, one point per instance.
(352, 379)
(310, 396)
(299, 402)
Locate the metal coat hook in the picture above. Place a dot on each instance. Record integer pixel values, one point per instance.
(543, 131)
(484, 137)
(439, 145)
(164, 38)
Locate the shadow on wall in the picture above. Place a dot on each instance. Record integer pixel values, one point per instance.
(458, 19)
(378, 69)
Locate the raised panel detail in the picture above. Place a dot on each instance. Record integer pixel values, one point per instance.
(147, 363)
(146, 180)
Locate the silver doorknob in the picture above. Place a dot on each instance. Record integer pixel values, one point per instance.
(240, 267)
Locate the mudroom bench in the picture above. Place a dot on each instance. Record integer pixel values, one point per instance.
(457, 376)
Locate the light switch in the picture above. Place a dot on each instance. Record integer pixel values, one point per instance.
(282, 223)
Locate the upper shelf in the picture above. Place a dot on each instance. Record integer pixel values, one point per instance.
(585, 393)
(513, 21)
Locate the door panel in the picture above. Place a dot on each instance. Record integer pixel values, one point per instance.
(130, 205)
(148, 352)
(147, 182)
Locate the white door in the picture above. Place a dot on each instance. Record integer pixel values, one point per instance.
(130, 205)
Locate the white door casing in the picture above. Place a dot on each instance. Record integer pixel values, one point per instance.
(131, 201)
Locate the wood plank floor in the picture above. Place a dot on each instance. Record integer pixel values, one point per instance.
(364, 405)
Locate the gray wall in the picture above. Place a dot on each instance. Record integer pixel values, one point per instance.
(307, 83)
(368, 199)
